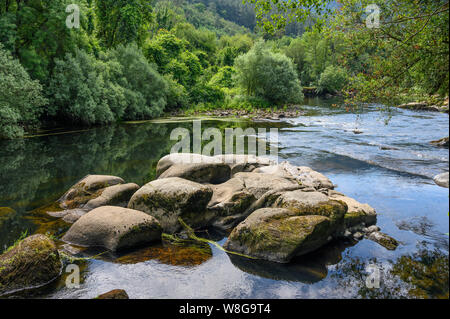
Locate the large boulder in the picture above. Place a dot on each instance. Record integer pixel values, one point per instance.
(32, 263)
(442, 180)
(213, 173)
(306, 176)
(259, 184)
(114, 228)
(278, 235)
(172, 198)
(230, 202)
(117, 195)
(208, 169)
(312, 203)
(92, 192)
(88, 188)
(358, 215)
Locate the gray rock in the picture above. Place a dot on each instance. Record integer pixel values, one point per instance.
(87, 189)
(312, 203)
(172, 198)
(357, 213)
(442, 180)
(212, 173)
(278, 235)
(230, 203)
(118, 195)
(303, 175)
(114, 228)
(358, 236)
(258, 183)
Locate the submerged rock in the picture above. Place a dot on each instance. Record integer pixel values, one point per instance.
(114, 228)
(171, 198)
(384, 240)
(443, 142)
(276, 234)
(32, 263)
(442, 180)
(114, 294)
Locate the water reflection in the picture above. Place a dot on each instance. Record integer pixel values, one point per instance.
(308, 269)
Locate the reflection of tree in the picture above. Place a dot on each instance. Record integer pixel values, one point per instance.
(424, 274)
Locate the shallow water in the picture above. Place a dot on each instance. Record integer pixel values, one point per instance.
(388, 166)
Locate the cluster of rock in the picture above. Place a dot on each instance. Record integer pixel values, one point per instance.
(258, 114)
(274, 212)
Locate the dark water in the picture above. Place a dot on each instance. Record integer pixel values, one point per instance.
(388, 166)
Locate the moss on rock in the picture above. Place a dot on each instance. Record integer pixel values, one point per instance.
(32, 263)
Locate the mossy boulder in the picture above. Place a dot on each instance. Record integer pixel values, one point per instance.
(88, 188)
(31, 263)
(114, 228)
(278, 235)
(312, 203)
(358, 215)
(169, 199)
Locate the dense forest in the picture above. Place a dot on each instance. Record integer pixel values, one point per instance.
(136, 59)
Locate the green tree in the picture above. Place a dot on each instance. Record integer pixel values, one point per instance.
(21, 99)
(123, 21)
(333, 79)
(272, 76)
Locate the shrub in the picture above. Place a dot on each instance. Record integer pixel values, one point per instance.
(145, 89)
(224, 78)
(272, 76)
(205, 93)
(333, 79)
(21, 99)
(120, 85)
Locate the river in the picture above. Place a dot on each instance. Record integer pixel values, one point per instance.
(389, 166)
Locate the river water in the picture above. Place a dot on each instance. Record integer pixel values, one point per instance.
(389, 166)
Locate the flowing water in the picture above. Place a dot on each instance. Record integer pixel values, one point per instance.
(388, 166)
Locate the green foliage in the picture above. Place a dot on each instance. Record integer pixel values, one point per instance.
(333, 79)
(145, 90)
(123, 21)
(21, 99)
(262, 73)
(224, 78)
(205, 93)
(36, 32)
(120, 85)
